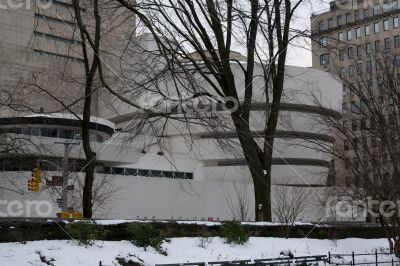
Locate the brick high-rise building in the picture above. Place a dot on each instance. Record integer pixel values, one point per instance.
(353, 39)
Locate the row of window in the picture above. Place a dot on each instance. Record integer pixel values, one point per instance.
(51, 133)
(56, 38)
(357, 15)
(147, 173)
(378, 102)
(55, 20)
(359, 32)
(57, 56)
(54, 164)
(358, 70)
(388, 61)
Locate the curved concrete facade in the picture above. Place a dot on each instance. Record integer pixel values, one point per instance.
(197, 178)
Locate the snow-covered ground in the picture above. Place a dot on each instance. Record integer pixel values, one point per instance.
(180, 250)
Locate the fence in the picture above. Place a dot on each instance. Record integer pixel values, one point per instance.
(354, 262)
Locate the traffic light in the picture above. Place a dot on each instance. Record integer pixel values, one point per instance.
(37, 175)
(33, 185)
(34, 182)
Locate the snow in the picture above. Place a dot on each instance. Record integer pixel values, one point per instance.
(180, 250)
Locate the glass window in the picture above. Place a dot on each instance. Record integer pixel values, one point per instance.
(397, 41)
(353, 106)
(324, 59)
(350, 52)
(48, 132)
(340, 37)
(386, 25)
(358, 33)
(369, 66)
(339, 20)
(376, 27)
(366, 13)
(348, 17)
(368, 48)
(323, 42)
(378, 64)
(341, 72)
(356, 15)
(397, 60)
(354, 124)
(377, 46)
(349, 35)
(341, 54)
(359, 68)
(395, 22)
(376, 10)
(66, 134)
(359, 50)
(366, 30)
(321, 25)
(351, 71)
(330, 23)
(35, 131)
(387, 43)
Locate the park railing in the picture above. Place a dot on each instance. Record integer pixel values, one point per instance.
(351, 259)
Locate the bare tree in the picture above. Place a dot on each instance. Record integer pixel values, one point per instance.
(197, 38)
(239, 202)
(367, 151)
(288, 203)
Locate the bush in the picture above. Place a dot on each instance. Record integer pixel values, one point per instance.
(144, 235)
(234, 233)
(86, 233)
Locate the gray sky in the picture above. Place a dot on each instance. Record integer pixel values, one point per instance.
(299, 56)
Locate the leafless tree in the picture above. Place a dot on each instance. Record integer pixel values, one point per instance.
(367, 151)
(239, 202)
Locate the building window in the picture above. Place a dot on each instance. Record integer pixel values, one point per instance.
(353, 107)
(356, 16)
(344, 91)
(397, 60)
(340, 37)
(376, 28)
(355, 147)
(350, 52)
(324, 59)
(397, 41)
(385, 25)
(359, 50)
(321, 25)
(351, 71)
(369, 66)
(330, 23)
(348, 17)
(376, 10)
(339, 20)
(387, 43)
(366, 30)
(359, 68)
(378, 65)
(377, 46)
(341, 72)
(346, 145)
(323, 42)
(368, 48)
(349, 35)
(366, 13)
(395, 22)
(341, 54)
(358, 33)
(344, 108)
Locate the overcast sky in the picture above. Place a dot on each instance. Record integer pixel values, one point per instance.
(300, 55)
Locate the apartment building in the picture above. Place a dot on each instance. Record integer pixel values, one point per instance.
(354, 39)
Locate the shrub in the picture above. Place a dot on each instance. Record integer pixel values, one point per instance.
(144, 235)
(234, 233)
(86, 233)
